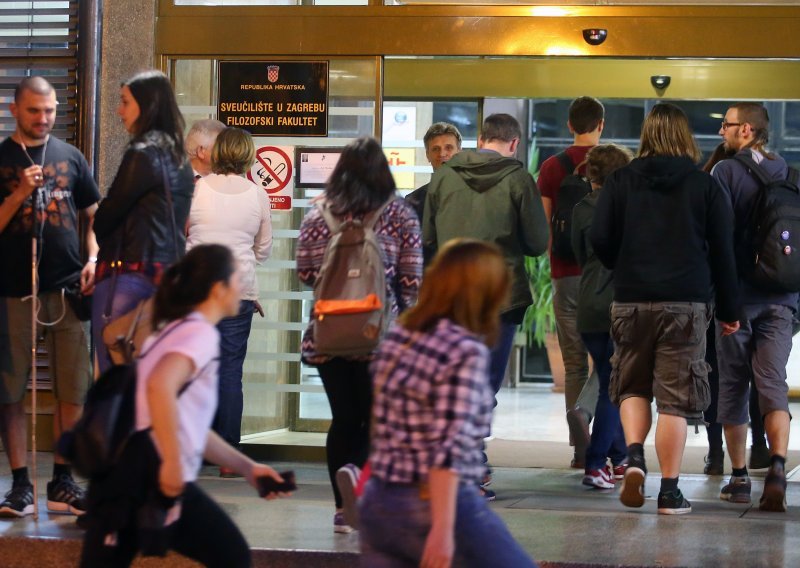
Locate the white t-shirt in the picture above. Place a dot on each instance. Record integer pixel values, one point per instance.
(198, 340)
(233, 211)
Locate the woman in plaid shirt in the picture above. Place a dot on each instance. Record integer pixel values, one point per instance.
(432, 408)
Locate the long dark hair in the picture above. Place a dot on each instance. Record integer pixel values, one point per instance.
(361, 181)
(187, 283)
(158, 109)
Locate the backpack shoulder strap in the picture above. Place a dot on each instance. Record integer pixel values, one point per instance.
(566, 162)
(757, 170)
(372, 217)
(333, 223)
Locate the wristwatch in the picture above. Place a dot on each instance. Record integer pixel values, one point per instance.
(92, 259)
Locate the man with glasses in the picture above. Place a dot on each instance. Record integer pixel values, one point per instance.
(761, 348)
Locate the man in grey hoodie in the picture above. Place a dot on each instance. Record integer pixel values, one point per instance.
(761, 348)
(487, 194)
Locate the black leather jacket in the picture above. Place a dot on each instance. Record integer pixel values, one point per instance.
(134, 217)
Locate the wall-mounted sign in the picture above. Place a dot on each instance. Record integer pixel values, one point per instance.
(274, 98)
(273, 172)
(315, 165)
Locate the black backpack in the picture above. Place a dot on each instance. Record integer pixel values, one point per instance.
(98, 438)
(771, 261)
(572, 189)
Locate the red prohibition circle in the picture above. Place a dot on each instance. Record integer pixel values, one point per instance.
(281, 182)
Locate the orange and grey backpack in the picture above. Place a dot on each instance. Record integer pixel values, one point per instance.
(351, 311)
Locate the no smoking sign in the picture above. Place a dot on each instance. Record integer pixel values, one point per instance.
(273, 171)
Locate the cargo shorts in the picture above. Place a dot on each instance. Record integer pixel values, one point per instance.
(660, 352)
(67, 346)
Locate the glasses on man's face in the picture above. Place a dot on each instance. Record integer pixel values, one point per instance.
(726, 125)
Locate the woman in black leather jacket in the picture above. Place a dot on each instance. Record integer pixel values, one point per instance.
(139, 223)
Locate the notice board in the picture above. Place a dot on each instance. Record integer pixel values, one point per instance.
(274, 98)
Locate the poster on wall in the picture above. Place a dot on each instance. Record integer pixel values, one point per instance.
(274, 173)
(274, 98)
(315, 165)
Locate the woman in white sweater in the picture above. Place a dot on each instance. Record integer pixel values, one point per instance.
(229, 209)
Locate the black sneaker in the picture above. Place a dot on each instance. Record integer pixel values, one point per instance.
(18, 502)
(65, 496)
(673, 503)
(774, 496)
(759, 457)
(715, 463)
(632, 492)
(737, 490)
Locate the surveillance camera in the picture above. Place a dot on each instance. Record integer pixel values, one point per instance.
(595, 36)
(660, 82)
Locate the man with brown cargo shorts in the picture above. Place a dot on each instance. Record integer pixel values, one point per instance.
(45, 184)
(665, 228)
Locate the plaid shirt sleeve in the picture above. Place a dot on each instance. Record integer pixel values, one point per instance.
(457, 398)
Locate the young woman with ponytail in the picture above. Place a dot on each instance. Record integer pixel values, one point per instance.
(176, 397)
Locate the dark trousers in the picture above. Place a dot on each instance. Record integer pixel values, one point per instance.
(233, 335)
(204, 533)
(349, 389)
(714, 428)
(608, 439)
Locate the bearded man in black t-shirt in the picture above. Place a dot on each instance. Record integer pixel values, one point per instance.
(45, 185)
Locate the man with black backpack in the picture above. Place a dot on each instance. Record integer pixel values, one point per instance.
(766, 208)
(563, 185)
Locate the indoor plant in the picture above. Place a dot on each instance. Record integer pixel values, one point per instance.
(539, 324)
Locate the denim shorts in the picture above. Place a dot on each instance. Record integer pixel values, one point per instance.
(660, 352)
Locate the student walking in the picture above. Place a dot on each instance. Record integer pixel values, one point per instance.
(176, 396)
(432, 409)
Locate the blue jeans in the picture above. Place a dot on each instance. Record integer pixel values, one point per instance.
(395, 523)
(608, 439)
(233, 335)
(130, 290)
(499, 356)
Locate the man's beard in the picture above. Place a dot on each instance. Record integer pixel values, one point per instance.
(32, 136)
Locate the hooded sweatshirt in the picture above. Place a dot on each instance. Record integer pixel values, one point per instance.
(484, 195)
(742, 189)
(665, 228)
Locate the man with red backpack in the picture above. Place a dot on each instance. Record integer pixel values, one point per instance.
(585, 122)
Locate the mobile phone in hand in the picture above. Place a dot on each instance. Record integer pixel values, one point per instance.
(267, 485)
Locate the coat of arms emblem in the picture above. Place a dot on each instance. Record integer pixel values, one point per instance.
(272, 73)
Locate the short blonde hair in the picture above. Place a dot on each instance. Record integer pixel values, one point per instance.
(468, 282)
(233, 152)
(666, 132)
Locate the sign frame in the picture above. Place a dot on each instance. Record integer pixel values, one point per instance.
(333, 151)
(256, 95)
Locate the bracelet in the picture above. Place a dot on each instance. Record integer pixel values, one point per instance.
(92, 259)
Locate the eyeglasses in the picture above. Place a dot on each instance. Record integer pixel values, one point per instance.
(725, 125)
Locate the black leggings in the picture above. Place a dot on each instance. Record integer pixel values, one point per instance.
(204, 533)
(349, 389)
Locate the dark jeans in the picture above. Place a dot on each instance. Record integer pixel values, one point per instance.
(233, 334)
(348, 386)
(608, 439)
(499, 356)
(204, 533)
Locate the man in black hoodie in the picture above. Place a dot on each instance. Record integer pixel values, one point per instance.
(761, 349)
(663, 226)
